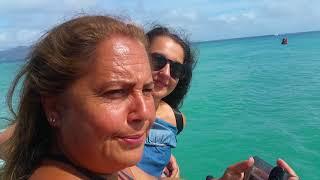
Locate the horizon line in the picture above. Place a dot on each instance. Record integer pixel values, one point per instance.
(213, 40)
(245, 37)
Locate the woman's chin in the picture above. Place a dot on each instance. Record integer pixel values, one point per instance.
(134, 156)
(133, 159)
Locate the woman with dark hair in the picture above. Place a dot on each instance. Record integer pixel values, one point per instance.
(159, 37)
(172, 60)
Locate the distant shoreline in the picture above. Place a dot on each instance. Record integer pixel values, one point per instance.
(11, 61)
(20, 53)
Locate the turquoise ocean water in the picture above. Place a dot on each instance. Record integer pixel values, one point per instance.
(250, 96)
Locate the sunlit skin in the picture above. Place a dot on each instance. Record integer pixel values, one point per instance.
(164, 83)
(103, 117)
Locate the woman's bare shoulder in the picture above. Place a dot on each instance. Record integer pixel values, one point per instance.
(165, 112)
(51, 171)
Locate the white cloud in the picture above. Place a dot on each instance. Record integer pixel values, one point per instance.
(45, 5)
(27, 35)
(23, 21)
(249, 15)
(3, 37)
(18, 37)
(233, 17)
(174, 13)
(227, 18)
(191, 15)
(177, 17)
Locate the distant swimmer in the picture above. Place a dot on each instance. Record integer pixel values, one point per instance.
(284, 41)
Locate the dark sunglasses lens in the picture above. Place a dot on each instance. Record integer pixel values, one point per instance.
(158, 62)
(177, 70)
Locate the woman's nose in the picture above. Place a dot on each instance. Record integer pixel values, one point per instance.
(142, 108)
(166, 70)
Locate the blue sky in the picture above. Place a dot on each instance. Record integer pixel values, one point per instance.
(22, 22)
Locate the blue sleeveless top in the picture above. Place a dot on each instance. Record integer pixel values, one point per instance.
(157, 149)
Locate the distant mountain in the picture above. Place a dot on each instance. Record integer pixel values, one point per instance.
(15, 54)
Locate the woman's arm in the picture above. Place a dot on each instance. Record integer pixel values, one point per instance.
(172, 168)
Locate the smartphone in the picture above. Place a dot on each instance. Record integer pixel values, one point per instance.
(261, 170)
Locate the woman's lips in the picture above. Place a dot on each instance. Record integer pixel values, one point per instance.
(134, 140)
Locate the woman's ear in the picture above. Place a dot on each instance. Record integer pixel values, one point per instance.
(50, 105)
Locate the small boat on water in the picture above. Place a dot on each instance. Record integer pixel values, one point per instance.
(284, 41)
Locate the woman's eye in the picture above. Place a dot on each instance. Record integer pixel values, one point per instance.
(148, 91)
(116, 93)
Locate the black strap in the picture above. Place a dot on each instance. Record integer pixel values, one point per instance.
(179, 120)
(86, 172)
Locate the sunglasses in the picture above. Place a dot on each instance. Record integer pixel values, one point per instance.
(177, 70)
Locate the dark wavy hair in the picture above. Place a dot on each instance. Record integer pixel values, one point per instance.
(175, 98)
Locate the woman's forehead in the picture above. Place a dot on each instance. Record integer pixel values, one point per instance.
(167, 47)
(122, 50)
(120, 59)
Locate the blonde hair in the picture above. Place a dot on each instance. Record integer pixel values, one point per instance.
(60, 57)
